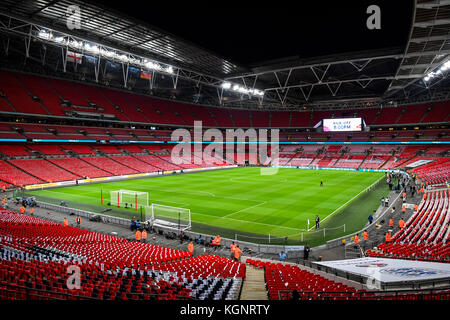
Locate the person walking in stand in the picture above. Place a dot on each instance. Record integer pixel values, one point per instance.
(370, 218)
(283, 256)
(387, 238)
(365, 235)
(138, 235)
(306, 252)
(356, 239)
(232, 248)
(237, 253)
(401, 223)
(144, 235)
(191, 248)
(78, 220)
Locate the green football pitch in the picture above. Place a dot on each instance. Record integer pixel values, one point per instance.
(243, 203)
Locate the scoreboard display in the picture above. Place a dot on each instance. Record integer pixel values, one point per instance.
(344, 124)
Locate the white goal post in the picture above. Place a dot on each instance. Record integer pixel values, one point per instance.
(169, 217)
(129, 199)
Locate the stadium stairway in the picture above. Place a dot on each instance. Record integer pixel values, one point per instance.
(253, 287)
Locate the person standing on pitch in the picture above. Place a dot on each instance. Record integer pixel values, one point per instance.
(317, 222)
(321, 183)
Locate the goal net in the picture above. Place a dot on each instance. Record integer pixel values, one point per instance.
(169, 217)
(129, 199)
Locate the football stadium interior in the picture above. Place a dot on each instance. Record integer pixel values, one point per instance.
(118, 179)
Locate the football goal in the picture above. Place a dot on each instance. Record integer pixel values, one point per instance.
(129, 199)
(168, 217)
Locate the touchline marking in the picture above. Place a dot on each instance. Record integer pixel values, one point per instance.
(256, 205)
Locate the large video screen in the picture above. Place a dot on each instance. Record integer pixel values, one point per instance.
(346, 124)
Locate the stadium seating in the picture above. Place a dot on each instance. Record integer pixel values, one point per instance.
(15, 176)
(47, 149)
(79, 167)
(108, 165)
(34, 254)
(135, 164)
(285, 277)
(18, 96)
(426, 234)
(14, 150)
(438, 113)
(126, 106)
(78, 148)
(44, 170)
(241, 118)
(436, 172)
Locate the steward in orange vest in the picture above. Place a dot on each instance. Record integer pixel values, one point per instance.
(237, 253)
(365, 235)
(216, 241)
(356, 239)
(144, 235)
(138, 235)
(232, 248)
(401, 223)
(388, 237)
(191, 248)
(65, 222)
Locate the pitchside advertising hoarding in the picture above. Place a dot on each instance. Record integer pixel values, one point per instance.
(338, 125)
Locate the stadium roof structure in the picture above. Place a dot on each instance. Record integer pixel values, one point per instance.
(182, 70)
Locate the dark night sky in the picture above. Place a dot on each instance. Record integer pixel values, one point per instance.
(253, 32)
